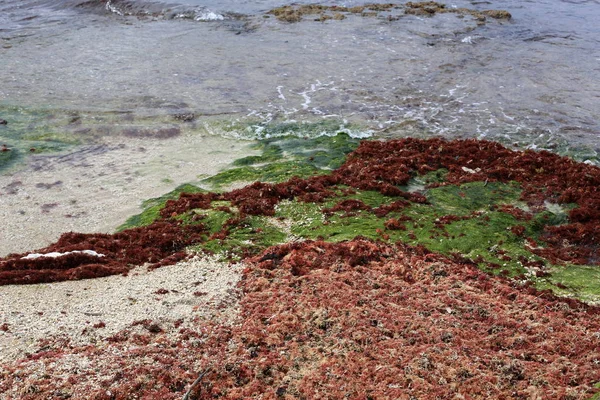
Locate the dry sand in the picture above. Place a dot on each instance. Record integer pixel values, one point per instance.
(95, 188)
(89, 311)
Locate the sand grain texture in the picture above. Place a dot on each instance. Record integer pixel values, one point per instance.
(89, 311)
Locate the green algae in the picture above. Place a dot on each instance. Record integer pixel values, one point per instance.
(485, 239)
(597, 395)
(275, 172)
(32, 131)
(283, 157)
(484, 235)
(249, 236)
(8, 157)
(153, 206)
(473, 196)
(214, 219)
(308, 222)
(581, 281)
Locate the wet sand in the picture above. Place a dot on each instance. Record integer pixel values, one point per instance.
(97, 187)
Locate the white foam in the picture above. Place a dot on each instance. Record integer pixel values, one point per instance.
(307, 99)
(281, 96)
(209, 16)
(35, 256)
(113, 9)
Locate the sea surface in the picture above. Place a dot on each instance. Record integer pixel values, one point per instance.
(532, 80)
(75, 73)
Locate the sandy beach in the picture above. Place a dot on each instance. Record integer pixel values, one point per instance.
(89, 311)
(97, 187)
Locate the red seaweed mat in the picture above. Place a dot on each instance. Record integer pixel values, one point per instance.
(162, 243)
(366, 320)
(374, 165)
(353, 320)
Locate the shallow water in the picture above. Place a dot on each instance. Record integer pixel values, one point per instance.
(530, 80)
(78, 72)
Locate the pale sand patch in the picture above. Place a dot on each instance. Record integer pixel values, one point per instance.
(199, 288)
(97, 187)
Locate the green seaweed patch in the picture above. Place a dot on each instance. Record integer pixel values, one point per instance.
(431, 177)
(240, 238)
(282, 158)
(597, 395)
(274, 172)
(32, 131)
(7, 156)
(308, 222)
(581, 281)
(474, 196)
(543, 219)
(153, 206)
(369, 197)
(214, 219)
(484, 237)
(326, 151)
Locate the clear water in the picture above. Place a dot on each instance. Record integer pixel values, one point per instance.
(531, 81)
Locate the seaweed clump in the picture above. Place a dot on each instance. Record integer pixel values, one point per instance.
(161, 243)
(385, 168)
(292, 13)
(430, 8)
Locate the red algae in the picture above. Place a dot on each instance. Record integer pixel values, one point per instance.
(361, 319)
(516, 212)
(349, 206)
(385, 209)
(357, 319)
(382, 166)
(158, 244)
(333, 326)
(187, 201)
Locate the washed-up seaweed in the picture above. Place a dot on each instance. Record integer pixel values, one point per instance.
(380, 166)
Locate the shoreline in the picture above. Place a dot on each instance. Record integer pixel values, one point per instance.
(97, 187)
